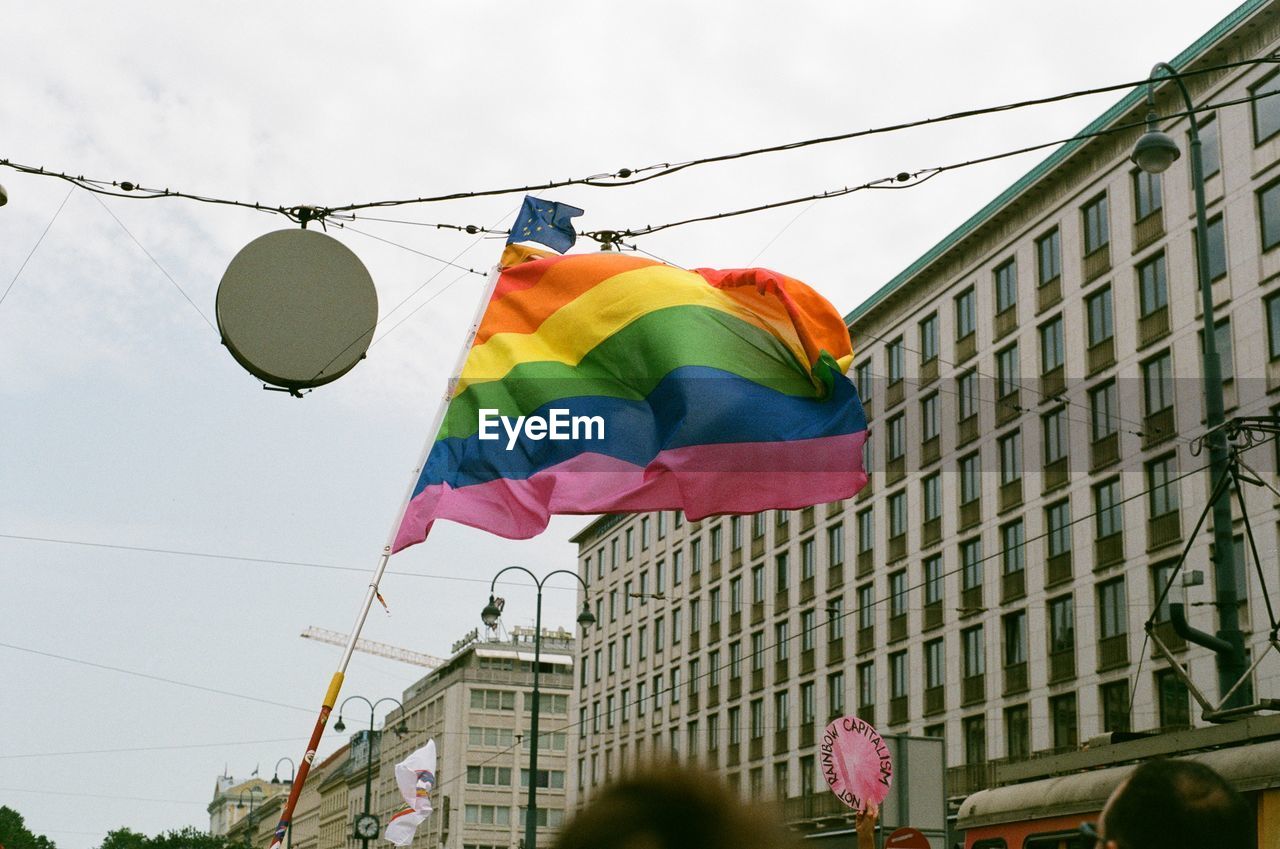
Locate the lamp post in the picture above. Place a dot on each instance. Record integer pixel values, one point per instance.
(367, 825)
(1154, 153)
(275, 779)
(490, 616)
(248, 835)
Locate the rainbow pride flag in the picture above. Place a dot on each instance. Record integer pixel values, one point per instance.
(606, 383)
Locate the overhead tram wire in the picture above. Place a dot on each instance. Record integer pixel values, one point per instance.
(621, 178)
(36, 246)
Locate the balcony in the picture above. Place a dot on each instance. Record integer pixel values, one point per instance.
(1159, 427)
(1113, 651)
(866, 639)
(1008, 407)
(928, 371)
(1164, 630)
(1048, 294)
(1164, 530)
(931, 532)
(835, 652)
(1010, 495)
(806, 519)
(970, 513)
(866, 562)
(757, 548)
(1153, 326)
(735, 559)
(691, 704)
(814, 806)
(1052, 384)
(713, 635)
(867, 713)
(1103, 452)
(755, 749)
(781, 670)
(1062, 665)
(735, 688)
(966, 347)
(757, 612)
(835, 576)
(733, 755)
(806, 661)
(893, 394)
(973, 689)
(971, 600)
(806, 589)
(930, 450)
(781, 533)
(735, 623)
(757, 680)
(1006, 321)
(695, 641)
(835, 508)
(1108, 551)
(897, 627)
(781, 600)
(695, 581)
(780, 742)
(714, 571)
(898, 712)
(1095, 264)
(933, 615)
(969, 779)
(1059, 569)
(1013, 586)
(968, 430)
(1101, 356)
(806, 734)
(1015, 678)
(1147, 230)
(935, 700)
(897, 547)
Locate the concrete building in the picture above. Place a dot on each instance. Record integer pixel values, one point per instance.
(477, 708)
(1033, 387)
(333, 823)
(234, 800)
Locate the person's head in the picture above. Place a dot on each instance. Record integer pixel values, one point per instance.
(1176, 804)
(666, 806)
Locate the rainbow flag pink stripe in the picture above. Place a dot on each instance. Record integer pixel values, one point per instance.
(713, 392)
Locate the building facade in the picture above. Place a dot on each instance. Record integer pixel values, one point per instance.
(1033, 388)
(477, 708)
(234, 801)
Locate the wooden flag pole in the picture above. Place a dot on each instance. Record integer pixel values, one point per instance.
(335, 683)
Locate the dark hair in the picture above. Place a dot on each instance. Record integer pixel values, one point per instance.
(1176, 804)
(664, 806)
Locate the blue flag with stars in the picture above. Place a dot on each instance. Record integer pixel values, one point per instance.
(546, 222)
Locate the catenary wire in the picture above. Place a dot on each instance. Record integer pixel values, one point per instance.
(36, 246)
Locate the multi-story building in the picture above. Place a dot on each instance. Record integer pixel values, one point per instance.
(234, 800)
(1033, 387)
(477, 707)
(332, 825)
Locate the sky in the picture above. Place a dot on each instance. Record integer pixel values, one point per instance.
(167, 526)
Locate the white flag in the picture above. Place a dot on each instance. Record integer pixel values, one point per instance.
(416, 778)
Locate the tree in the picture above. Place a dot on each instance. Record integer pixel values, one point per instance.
(186, 838)
(14, 833)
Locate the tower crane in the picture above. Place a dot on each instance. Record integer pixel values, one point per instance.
(335, 638)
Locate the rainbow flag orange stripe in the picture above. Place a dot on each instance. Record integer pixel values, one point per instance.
(713, 391)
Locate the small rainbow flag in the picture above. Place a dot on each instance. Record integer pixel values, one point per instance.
(602, 383)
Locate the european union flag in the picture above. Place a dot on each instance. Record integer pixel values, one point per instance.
(546, 222)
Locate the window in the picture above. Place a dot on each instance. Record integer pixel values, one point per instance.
(1273, 327)
(489, 815)
(757, 719)
(757, 584)
(1266, 111)
(1108, 517)
(935, 663)
(658, 693)
(1017, 729)
(489, 776)
(660, 576)
(1161, 574)
(782, 641)
(929, 338)
(974, 729)
(717, 543)
(1007, 371)
(1146, 194)
(1015, 638)
(735, 533)
(675, 685)
(626, 651)
(677, 567)
(1103, 420)
(695, 557)
(931, 423)
(1269, 215)
(970, 480)
(1162, 489)
(866, 531)
(894, 362)
(631, 543)
(642, 698)
(1096, 231)
(735, 725)
(695, 677)
(783, 563)
(897, 437)
(808, 703)
(866, 684)
(1101, 318)
(1049, 256)
(1115, 705)
(1210, 146)
(1062, 625)
(1054, 426)
(1217, 249)
(1052, 350)
(713, 732)
(975, 652)
(835, 620)
(735, 595)
(1058, 521)
(933, 580)
(898, 594)
(1012, 553)
(971, 563)
(1153, 290)
(1113, 610)
(835, 545)
(1222, 342)
(1011, 457)
(1172, 695)
(835, 694)
(1062, 715)
(757, 523)
(931, 492)
(493, 700)
(967, 390)
(644, 587)
(1006, 279)
(757, 651)
(781, 711)
(808, 629)
(644, 532)
(1157, 378)
(866, 606)
(551, 778)
(662, 525)
(897, 514)
(808, 559)
(713, 605)
(898, 683)
(966, 313)
(677, 625)
(862, 380)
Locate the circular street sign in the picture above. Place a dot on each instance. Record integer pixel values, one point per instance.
(907, 838)
(296, 308)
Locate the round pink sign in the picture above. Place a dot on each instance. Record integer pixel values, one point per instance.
(855, 761)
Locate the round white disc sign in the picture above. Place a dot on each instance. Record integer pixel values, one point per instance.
(297, 308)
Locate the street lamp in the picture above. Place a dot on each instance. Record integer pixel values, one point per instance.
(275, 779)
(492, 611)
(366, 825)
(1154, 153)
(248, 835)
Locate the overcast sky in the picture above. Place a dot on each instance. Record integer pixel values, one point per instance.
(123, 422)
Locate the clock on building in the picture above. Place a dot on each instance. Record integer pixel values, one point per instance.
(367, 826)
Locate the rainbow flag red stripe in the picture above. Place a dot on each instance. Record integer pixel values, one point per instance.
(714, 392)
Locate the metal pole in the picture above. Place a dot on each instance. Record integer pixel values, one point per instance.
(531, 817)
(368, 772)
(1231, 664)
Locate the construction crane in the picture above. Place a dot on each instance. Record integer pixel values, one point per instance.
(335, 638)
